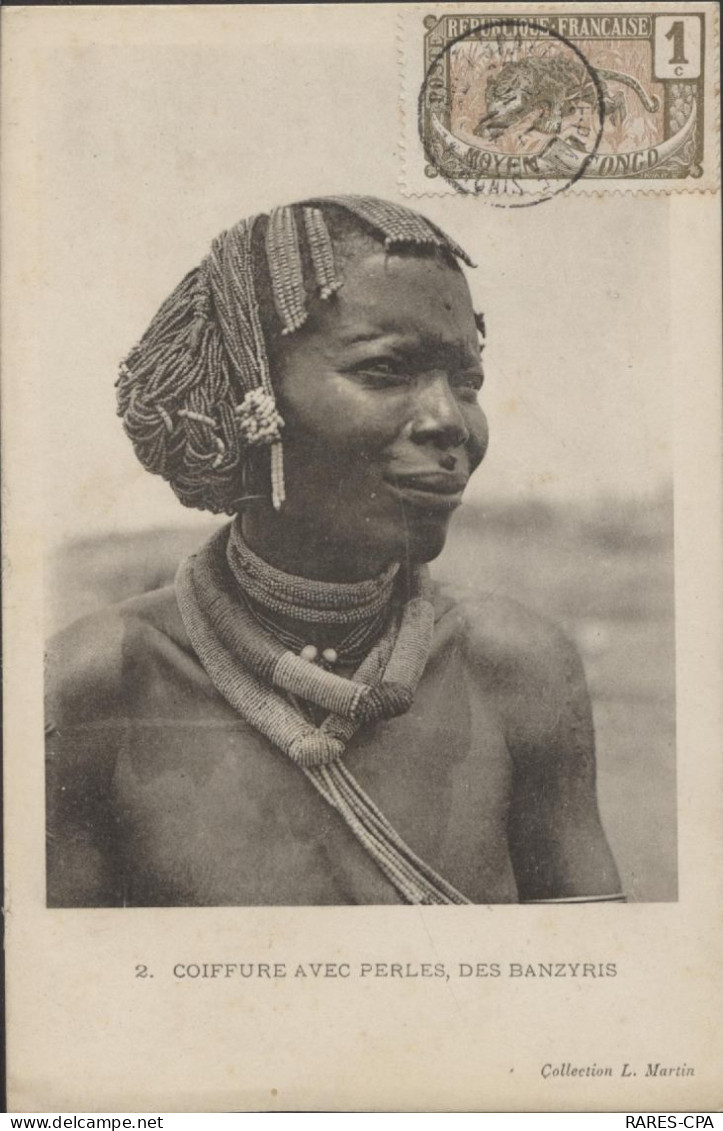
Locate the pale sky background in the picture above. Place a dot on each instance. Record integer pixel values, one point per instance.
(144, 152)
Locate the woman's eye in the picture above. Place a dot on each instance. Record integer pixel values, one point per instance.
(469, 385)
(382, 373)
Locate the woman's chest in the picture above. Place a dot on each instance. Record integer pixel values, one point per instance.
(213, 814)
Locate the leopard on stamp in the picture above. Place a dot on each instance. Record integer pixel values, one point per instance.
(520, 108)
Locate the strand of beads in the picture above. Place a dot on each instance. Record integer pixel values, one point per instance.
(285, 268)
(351, 648)
(397, 224)
(271, 419)
(322, 252)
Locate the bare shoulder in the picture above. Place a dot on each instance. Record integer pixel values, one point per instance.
(90, 672)
(521, 660)
(88, 663)
(506, 637)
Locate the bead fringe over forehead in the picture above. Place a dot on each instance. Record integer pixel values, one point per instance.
(195, 394)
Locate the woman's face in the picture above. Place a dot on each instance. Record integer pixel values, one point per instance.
(379, 393)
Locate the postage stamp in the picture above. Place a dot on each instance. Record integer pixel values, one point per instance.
(519, 106)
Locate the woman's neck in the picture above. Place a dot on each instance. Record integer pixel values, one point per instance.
(289, 547)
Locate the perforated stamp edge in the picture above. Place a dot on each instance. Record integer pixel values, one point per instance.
(414, 180)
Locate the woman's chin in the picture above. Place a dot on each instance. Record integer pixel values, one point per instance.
(423, 540)
(428, 548)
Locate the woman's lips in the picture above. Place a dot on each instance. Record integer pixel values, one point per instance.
(437, 490)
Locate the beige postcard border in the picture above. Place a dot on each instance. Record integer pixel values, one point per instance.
(84, 1033)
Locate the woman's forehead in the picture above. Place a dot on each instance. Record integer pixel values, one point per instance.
(385, 293)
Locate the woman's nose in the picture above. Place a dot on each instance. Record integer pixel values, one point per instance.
(438, 419)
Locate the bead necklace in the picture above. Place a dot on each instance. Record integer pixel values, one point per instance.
(348, 652)
(356, 699)
(301, 598)
(351, 649)
(252, 670)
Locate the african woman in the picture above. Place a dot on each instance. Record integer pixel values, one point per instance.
(304, 717)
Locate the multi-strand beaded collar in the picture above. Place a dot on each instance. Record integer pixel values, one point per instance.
(229, 599)
(354, 613)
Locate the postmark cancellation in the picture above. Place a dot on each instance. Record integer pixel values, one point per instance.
(519, 104)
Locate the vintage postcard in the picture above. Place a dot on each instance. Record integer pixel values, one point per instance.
(361, 421)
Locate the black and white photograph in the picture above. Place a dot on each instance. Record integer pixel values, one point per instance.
(302, 716)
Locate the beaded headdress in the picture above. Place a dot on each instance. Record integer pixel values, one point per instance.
(196, 393)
